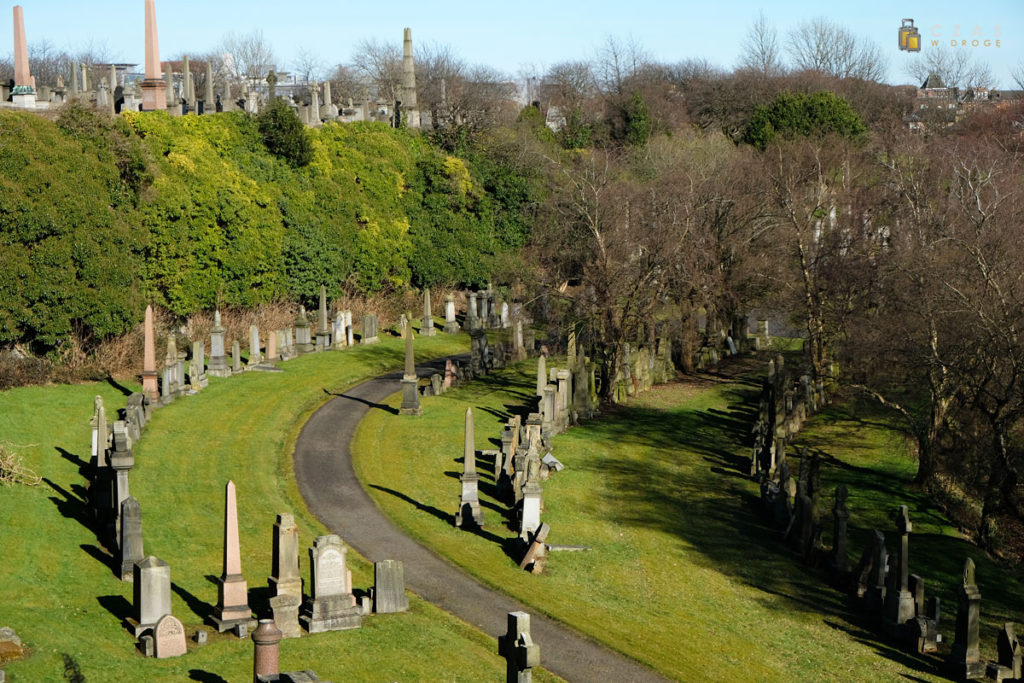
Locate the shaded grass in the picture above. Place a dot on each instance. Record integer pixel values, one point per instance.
(684, 574)
(57, 588)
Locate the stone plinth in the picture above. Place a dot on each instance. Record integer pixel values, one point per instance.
(286, 614)
(151, 594)
(389, 587)
(219, 365)
(451, 326)
(285, 579)
(131, 537)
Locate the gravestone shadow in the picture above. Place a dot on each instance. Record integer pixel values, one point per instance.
(117, 605)
(199, 608)
(205, 676)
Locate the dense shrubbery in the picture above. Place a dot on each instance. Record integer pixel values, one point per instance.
(100, 214)
(793, 114)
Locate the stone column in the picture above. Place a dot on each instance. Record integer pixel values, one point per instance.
(149, 378)
(542, 375)
(410, 113)
(966, 646)
(517, 647)
(218, 359)
(265, 639)
(410, 380)
(285, 579)
(471, 316)
(209, 103)
(254, 346)
(427, 325)
(903, 603)
(232, 590)
(451, 326)
(151, 594)
(236, 357)
(349, 338)
(152, 97)
(323, 335)
(470, 479)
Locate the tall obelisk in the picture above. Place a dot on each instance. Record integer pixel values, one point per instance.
(153, 92)
(149, 382)
(410, 114)
(24, 93)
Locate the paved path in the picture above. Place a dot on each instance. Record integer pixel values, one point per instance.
(323, 468)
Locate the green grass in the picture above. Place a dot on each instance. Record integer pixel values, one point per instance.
(58, 593)
(684, 574)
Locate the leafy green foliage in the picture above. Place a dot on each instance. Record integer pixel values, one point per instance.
(577, 131)
(284, 135)
(638, 120)
(796, 114)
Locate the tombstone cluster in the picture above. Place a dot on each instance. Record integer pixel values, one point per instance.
(880, 584)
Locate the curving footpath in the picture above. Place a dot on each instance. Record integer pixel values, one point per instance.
(323, 469)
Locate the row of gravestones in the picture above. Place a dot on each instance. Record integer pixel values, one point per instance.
(881, 584)
(330, 604)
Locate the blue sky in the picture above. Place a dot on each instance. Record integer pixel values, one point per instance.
(511, 36)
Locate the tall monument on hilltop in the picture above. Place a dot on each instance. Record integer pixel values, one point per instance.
(24, 94)
(410, 114)
(153, 89)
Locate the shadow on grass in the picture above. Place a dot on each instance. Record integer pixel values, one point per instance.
(84, 466)
(117, 605)
(448, 519)
(201, 609)
(205, 676)
(117, 385)
(103, 557)
(72, 505)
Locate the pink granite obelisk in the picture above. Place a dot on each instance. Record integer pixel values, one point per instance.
(149, 384)
(153, 90)
(232, 592)
(24, 93)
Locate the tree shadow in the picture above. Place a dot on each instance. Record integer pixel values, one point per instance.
(201, 609)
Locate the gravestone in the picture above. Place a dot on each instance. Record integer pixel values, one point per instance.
(169, 637)
(517, 647)
(330, 605)
(410, 380)
(839, 562)
(902, 608)
(1008, 665)
(369, 329)
(121, 462)
(232, 609)
(389, 587)
(451, 326)
(151, 594)
(131, 537)
(100, 438)
(532, 497)
(323, 335)
(168, 388)
(236, 357)
(966, 655)
(218, 358)
(348, 328)
(198, 366)
(542, 375)
(285, 578)
(303, 338)
(427, 325)
(535, 558)
(254, 346)
(286, 614)
(471, 313)
(469, 501)
(273, 355)
(149, 375)
(478, 358)
(547, 404)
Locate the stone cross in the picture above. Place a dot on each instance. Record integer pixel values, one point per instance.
(232, 590)
(966, 646)
(470, 479)
(285, 578)
(518, 649)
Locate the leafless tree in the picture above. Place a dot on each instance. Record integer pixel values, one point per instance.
(761, 51)
(346, 85)
(825, 46)
(956, 68)
(251, 57)
(307, 66)
(380, 65)
(1017, 73)
(618, 61)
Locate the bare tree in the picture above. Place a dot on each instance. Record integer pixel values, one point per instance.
(1017, 73)
(347, 86)
(825, 46)
(761, 51)
(308, 66)
(619, 61)
(250, 57)
(380, 65)
(956, 68)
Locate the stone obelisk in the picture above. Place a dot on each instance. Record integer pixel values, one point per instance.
(153, 93)
(24, 93)
(410, 113)
(209, 103)
(410, 380)
(232, 591)
(149, 382)
(469, 502)
(427, 326)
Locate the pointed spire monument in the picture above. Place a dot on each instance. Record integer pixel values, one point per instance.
(410, 114)
(153, 92)
(24, 93)
(150, 387)
(410, 380)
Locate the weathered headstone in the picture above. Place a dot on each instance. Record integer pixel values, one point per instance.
(330, 605)
(369, 329)
(131, 537)
(198, 373)
(1008, 666)
(151, 594)
(254, 346)
(532, 497)
(232, 590)
(517, 647)
(169, 385)
(285, 578)
(469, 502)
(536, 553)
(349, 338)
(451, 326)
(100, 439)
(236, 357)
(286, 614)
(303, 334)
(389, 587)
(323, 335)
(218, 358)
(966, 655)
(410, 380)
(902, 608)
(427, 325)
(169, 637)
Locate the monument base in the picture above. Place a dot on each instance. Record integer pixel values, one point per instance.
(334, 613)
(24, 100)
(410, 397)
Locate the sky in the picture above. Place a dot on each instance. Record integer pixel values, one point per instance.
(516, 37)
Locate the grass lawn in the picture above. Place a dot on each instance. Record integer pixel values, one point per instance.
(683, 574)
(57, 589)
